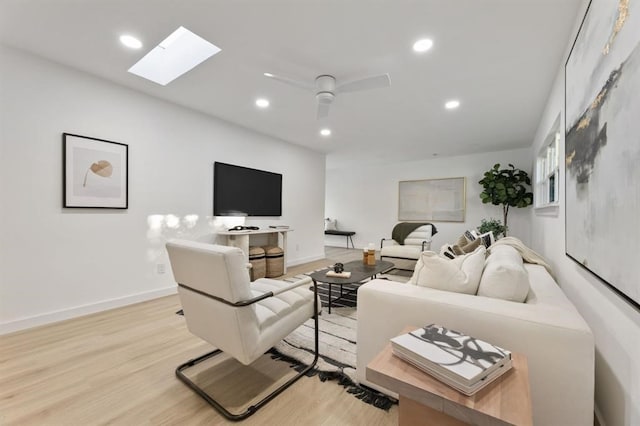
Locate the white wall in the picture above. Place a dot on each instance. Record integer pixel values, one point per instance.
(364, 198)
(614, 322)
(57, 263)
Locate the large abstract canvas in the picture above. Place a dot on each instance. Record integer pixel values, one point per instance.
(441, 200)
(602, 145)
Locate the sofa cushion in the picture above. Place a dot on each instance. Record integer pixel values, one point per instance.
(460, 275)
(504, 275)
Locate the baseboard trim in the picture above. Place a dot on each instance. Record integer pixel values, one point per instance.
(296, 262)
(78, 311)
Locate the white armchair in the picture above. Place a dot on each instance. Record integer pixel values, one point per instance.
(240, 318)
(408, 253)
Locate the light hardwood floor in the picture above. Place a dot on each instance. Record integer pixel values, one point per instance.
(117, 367)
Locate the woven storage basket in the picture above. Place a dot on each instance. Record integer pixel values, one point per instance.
(275, 261)
(258, 262)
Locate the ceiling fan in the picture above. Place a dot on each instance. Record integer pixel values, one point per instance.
(326, 87)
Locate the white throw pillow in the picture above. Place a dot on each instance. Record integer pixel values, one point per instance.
(460, 275)
(330, 225)
(504, 276)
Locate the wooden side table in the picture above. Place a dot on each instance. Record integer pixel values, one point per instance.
(425, 400)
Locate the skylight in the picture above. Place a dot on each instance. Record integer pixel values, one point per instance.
(174, 56)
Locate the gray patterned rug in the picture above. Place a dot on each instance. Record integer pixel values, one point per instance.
(337, 361)
(337, 343)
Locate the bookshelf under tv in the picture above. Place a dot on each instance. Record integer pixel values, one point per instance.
(241, 239)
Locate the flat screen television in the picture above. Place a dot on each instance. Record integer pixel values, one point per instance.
(241, 191)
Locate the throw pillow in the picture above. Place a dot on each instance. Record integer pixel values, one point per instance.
(487, 239)
(460, 275)
(470, 234)
(448, 251)
(463, 246)
(330, 225)
(504, 275)
(462, 241)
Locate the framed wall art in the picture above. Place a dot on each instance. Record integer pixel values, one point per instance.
(602, 145)
(437, 200)
(96, 173)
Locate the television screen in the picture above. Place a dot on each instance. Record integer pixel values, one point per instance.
(241, 191)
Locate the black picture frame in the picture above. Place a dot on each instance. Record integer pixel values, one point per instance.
(95, 173)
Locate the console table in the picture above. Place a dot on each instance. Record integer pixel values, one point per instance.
(241, 239)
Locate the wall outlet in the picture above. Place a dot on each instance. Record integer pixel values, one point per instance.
(161, 268)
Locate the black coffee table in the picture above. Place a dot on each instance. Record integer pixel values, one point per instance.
(359, 272)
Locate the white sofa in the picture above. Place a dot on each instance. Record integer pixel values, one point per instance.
(546, 328)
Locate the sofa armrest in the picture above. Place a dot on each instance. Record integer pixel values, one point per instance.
(556, 340)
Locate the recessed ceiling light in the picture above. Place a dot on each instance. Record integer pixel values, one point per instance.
(422, 45)
(130, 41)
(174, 56)
(267, 74)
(452, 104)
(325, 132)
(262, 103)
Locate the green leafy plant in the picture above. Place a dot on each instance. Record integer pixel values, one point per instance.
(506, 187)
(492, 225)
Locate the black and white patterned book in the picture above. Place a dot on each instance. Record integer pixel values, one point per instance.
(462, 361)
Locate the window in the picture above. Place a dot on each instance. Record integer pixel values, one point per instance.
(548, 170)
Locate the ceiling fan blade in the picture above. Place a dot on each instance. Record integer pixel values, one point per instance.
(374, 82)
(323, 110)
(290, 81)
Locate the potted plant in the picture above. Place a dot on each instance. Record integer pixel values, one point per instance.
(494, 226)
(506, 187)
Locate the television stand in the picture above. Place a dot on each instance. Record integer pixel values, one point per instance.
(240, 239)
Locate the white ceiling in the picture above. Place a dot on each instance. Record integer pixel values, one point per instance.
(498, 57)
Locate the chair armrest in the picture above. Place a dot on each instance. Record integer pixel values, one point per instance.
(306, 280)
(385, 239)
(247, 302)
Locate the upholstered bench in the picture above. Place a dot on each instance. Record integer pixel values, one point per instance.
(347, 234)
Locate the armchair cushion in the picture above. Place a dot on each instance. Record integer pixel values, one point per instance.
(269, 310)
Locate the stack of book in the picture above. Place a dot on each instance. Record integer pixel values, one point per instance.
(460, 361)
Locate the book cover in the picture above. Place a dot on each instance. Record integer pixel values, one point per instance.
(463, 388)
(344, 274)
(451, 353)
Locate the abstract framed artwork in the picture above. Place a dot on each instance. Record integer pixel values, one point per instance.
(96, 173)
(438, 200)
(602, 146)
